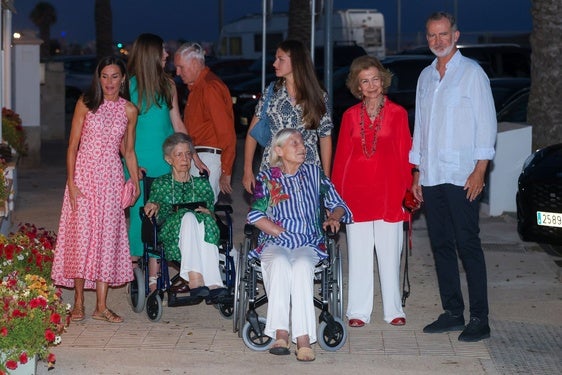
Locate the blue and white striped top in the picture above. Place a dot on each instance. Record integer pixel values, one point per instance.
(293, 202)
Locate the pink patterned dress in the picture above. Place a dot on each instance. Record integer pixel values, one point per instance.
(92, 242)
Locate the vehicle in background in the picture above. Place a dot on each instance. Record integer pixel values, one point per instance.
(243, 37)
(515, 108)
(539, 197)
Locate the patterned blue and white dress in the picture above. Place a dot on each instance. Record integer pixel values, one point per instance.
(281, 114)
(293, 202)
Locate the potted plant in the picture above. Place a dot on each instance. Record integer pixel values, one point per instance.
(13, 132)
(32, 313)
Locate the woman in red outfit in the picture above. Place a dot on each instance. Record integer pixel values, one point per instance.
(371, 172)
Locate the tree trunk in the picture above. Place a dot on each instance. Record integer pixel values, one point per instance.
(299, 21)
(104, 28)
(545, 101)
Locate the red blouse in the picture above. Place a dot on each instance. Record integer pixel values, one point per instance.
(374, 187)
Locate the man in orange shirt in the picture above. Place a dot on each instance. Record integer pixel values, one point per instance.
(208, 116)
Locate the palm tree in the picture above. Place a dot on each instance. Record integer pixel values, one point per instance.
(299, 21)
(43, 15)
(545, 106)
(104, 28)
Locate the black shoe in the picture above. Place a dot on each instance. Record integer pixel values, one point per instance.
(182, 287)
(445, 323)
(202, 292)
(476, 330)
(215, 295)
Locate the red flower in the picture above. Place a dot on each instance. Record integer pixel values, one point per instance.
(55, 318)
(23, 358)
(18, 314)
(49, 335)
(11, 365)
(51, 358)
(4, 331)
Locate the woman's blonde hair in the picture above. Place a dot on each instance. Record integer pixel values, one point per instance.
(363, 63)
(279, 139)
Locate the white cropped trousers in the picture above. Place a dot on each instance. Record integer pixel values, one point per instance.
(288, 277)
(196, 254)
(362, 239)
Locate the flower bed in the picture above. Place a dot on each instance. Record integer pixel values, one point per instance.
(32, 314)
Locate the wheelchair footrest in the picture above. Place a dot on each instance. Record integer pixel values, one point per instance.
(175, 300)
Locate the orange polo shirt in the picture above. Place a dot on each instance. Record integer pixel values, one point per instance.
(209, 118)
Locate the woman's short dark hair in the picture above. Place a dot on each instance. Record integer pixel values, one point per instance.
(174, 140)
(362, 63)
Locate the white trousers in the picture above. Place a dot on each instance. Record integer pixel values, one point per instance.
(288, 277)
(196, 254)
(387, 239)
(213, 162)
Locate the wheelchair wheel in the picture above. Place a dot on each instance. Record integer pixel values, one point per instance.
(137, 292)
(226, 310)
(252, 340)
(336, 287)
(154, 306)
(240, 296)
(332, 337)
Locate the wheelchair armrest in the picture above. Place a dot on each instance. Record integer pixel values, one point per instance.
(226, 208)
(249, 229)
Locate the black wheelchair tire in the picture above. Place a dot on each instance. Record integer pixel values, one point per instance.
(254, 342)
(240, 297)
(226, 310)
(137, 291)
(336, 293)
(154, 306)
(333, 338)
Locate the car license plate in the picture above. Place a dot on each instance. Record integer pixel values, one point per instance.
(549, 219)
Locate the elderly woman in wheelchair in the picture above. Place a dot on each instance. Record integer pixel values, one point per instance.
(287, 209)
(183, 207)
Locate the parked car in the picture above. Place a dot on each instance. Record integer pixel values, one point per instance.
(539, 197)
(515, 107)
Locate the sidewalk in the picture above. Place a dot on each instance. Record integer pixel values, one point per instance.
(524, 292)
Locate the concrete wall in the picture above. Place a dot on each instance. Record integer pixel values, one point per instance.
(52, 103)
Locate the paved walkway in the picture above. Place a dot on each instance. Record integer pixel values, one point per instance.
(525, 302)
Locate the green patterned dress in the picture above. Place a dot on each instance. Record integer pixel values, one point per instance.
(166, 191)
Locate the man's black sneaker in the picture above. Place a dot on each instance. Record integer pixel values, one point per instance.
(476, 330)
(445, 323)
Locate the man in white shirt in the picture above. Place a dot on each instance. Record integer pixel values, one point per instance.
(454, 137)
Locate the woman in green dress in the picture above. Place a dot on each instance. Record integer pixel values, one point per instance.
(190, 236)
(154, 93)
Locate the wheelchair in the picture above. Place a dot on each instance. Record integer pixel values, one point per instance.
(249, 295)
(139, 291)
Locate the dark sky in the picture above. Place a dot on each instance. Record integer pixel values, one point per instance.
(198, 19)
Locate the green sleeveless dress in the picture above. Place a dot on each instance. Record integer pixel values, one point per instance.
(153, 127)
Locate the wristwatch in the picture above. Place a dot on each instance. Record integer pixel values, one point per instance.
(415, 170)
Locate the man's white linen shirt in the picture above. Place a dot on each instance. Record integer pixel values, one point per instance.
(455, 122)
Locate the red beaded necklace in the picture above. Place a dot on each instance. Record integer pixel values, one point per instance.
(377, 123)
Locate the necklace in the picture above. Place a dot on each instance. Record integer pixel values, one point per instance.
(375, 113)
(376, 124)
(183, 189)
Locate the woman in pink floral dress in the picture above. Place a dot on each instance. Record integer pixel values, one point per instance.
(92, 250)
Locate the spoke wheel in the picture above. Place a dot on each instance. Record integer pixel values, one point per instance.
(154, 306)
(253, 340)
